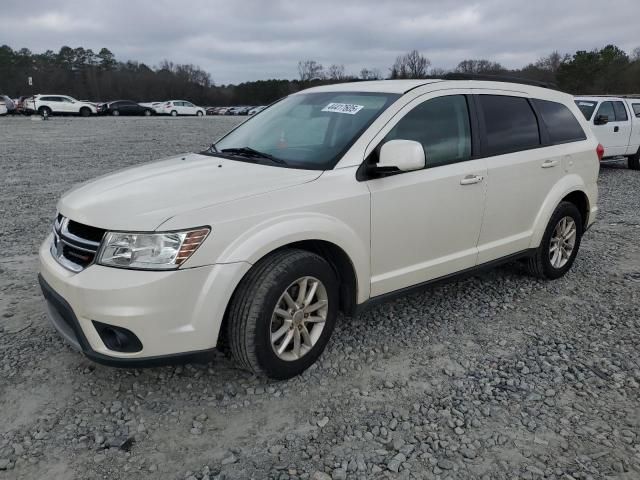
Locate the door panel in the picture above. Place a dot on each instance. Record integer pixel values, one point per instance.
(614, 135)
(424, 224)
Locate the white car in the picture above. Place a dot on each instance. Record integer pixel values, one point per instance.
(46, 105)
(255, 110)
(3, 109)
(178, 107)
(333, 199)
(615, 121)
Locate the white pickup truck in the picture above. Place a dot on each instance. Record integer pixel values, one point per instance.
(615, 121)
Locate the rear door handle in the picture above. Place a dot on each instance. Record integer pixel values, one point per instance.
(549, 163)
(471, 179)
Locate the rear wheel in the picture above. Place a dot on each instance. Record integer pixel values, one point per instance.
(147, 113)
(560, 243)
(634, 161)
(282, 314)
(199, 113)
(115, 113)
(85, 111)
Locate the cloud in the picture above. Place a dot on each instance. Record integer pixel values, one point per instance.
(253, 39)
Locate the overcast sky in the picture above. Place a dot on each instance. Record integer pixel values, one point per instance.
(239, 40)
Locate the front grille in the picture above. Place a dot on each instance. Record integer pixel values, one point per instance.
(75, 245)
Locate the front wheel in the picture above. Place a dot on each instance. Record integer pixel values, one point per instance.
(147, 113)
(44, 111)
(199, 113)
(85, 112)
(559, 245)
(174, 113)
(282, 314)
(115, 113)
(634, 161)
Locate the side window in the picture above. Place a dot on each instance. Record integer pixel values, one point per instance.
(510, 124)
(442, 126)
(621, 112)
(606, 108)
(636, 109)
(48, 99)
(187, 104)
(560, 122)
(586, 107)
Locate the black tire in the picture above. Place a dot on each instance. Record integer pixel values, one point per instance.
(115, 113)
(85, 111)
(633, 161)
(44, 111)
(539, 264)
(251, 308)
(199, 113)
(174, 113)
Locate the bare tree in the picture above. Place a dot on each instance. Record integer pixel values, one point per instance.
(370, 74)
(552, 61)
(437, 72)
(411, 65)
(336, 72)
(309, 70)
(635, 54)
(479, 66)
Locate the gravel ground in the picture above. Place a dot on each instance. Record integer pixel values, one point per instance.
(499, 376)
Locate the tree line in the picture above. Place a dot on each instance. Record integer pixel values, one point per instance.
(86, 74)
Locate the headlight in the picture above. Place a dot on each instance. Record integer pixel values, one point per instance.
(150, 251)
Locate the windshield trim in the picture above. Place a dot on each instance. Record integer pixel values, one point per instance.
(330, 164)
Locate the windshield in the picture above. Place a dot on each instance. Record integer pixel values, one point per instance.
(311, 130)
(586, 107)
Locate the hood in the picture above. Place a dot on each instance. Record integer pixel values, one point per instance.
(143, 197)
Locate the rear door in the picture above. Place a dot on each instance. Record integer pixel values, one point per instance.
(520, 172)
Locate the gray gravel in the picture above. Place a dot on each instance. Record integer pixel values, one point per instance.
(499, 376)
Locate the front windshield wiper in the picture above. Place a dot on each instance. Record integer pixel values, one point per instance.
(251, 152)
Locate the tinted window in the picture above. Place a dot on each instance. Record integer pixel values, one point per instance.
(606, 108)
(586, 107)
(441, 125)
(510, 124)
(561, 125)
(636, 109)
(621, 112)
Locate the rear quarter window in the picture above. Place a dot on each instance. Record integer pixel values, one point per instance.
(561, 124)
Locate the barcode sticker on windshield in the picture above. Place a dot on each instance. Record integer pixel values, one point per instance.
(585, 104)
(348, 108)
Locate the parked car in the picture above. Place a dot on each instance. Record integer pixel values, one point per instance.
(255, 110)
(19, 103)
(57, 105)
(235, 110)
(152, 105)
(222, 110)
(124, 107)
(3, 108)
(212, 110)
(9, 104)
(179, 107)
(335, 198)
(615, 121)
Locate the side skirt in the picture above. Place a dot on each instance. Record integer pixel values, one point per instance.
(468, 272)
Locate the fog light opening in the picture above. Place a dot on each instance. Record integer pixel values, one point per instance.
(118, 339)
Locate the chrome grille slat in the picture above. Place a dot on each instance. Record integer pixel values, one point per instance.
(70, 250)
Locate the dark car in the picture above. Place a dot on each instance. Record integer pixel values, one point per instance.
(124, 107)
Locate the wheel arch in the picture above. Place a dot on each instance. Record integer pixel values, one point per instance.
(571, 189)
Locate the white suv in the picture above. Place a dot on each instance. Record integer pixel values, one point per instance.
(46, 105)
(178, 107)
(330, 200)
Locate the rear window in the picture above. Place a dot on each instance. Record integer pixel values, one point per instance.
(586, 107)
(510, 124)
(561, 125)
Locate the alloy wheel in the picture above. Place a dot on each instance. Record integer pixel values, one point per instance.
(562, 242)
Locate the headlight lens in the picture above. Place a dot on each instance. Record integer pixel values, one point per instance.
(150, 251)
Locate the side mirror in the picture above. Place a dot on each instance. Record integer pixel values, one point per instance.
(403, 155)
(601, 120)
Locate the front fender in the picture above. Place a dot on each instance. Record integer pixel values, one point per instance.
(265, 237)
(565, 186)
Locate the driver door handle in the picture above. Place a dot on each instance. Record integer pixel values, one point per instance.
(471, 179)
(549, 163)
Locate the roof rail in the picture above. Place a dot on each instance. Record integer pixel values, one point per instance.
(499, 78)
(626, 95)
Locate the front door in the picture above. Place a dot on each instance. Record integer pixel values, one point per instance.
(614, 135)
(425, 224)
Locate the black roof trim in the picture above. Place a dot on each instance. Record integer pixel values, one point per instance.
(499, 78)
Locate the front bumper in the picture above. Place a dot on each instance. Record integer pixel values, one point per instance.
(176, 315)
